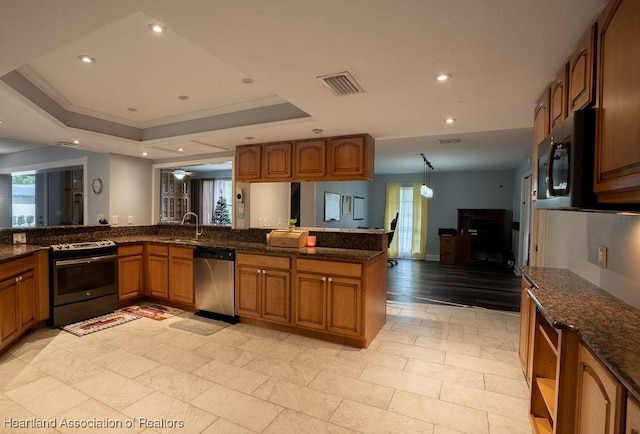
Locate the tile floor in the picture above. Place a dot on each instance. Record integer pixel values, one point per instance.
(432, 369)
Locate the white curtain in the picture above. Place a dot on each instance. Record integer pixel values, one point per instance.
(410, 238)
(208, 201)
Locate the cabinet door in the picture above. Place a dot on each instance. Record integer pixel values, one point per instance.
(349, 157)
(344, 306)
(558, 95)
(311, 301)
(526, 330)
(310, 159)
(158, 276)
(618, 130)
(276, 295)
(633, 416)
(581, 67)
(248, 291)
(181, 286)
(540, 131)
(248, 162)
(276, 161)
(26, 300)
(8, 314)
(599, 397)
(129, 277)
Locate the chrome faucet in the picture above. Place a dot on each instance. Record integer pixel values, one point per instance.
(198, 233)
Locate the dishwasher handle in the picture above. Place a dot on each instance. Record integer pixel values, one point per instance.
(223, 255)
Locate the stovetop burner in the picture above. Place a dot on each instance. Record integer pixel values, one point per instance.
(87, 245)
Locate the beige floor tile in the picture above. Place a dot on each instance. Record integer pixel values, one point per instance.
(446, 373)
(500, 355)
(407, 320)
(441, 413)
(143, 327)
(483, 341)
(291, 422)
(261, 332)
(65, 366)
(124, 363)
(506, 425)
(132, 343)
(393, 310)
(402, 381)
(174, 382)
(14, 419)
(271, 348)
(31, 343)
(355, 390)
(311, 402)
(225, 353)
(418, 330)
(87, 349)
(229, 337)
(239, 408)
(465, 312)
(92, 411)
(156, 411)
(113, 389)
(399, 337)
(412, 352)
(233, 377)
(371, 420)
(323, 362)
(489, 323)
(223, 426)
(506, 386)
(46, 397)
(271, 367)
(491, 402)
(30, 351)
(484, 365)
(449, 346)
(307, 343)
(182, 360)
(442, 430)
(368, 356)
(181, 340)
(15, 373)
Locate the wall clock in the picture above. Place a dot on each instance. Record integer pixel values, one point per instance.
(96, 185)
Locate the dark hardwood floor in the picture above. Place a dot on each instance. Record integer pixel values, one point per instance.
(430, 282)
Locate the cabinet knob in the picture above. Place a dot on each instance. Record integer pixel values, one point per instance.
(258, 271)
(330, 279)
(264, 271)
(18, 279)
(324, 279)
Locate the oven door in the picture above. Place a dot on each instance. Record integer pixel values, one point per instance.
(85, 278)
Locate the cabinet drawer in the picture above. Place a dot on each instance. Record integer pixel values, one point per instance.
(264, 261)
(158, 249)
(16, 267)
(130, 250)
(181, 252)
(329, 268)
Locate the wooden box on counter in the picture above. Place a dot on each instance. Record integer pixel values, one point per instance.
(287, 238)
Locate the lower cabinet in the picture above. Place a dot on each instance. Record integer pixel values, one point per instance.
(527, 329)
(599, 398)
(130, 272)
(169, 273)
(157, 270)
(633, 416)
(263, 287)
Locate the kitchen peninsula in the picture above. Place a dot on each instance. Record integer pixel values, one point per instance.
(328, 292)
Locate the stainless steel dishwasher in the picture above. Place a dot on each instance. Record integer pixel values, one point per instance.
(214, 283)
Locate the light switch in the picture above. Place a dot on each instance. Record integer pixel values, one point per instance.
(114, 219)
(602, 256)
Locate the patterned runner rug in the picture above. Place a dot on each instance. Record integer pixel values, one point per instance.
(153, 311)
(98, 323)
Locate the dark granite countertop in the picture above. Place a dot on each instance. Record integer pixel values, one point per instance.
(9, 252)
(607, 325)
(353, 255)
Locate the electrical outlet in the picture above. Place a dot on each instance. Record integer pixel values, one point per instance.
(114, 219)
(602, 256)
(130, 220)
(99, 217)
(20, 238)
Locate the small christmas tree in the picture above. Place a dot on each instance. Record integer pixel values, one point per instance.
(221, 213)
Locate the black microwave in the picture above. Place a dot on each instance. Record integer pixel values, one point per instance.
(565, 163)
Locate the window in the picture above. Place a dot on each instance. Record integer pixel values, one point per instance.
(213, 190)
(174, 197)
(404, 230)
(23, 192)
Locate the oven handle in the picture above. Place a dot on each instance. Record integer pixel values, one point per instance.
(85, 260)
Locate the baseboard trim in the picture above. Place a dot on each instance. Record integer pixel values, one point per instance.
(434, 258)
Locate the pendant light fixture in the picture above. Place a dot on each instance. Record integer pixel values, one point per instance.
(425, 190)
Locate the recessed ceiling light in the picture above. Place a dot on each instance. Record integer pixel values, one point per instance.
(144, 154)
(247, 80)
(317, 131)
(249, 138)
(76, 142)
(1, 121)
(449, 120)
(157, 28)
(183, 96)
(180, 149)
(442, 77)
(84, 58)
(132, 109)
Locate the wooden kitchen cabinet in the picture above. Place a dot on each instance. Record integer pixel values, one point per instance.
(617, 159)
(263, 287)
(19, 283)
(130, 272)
(8, 315)
(540, 132)
(181, 285)
(157, 270)
(448, 249)
(632, 425)
(310, 159)
(558, 98)
(351, 157)
(599, 398)
(527, 317)
(276, 162)
(248, 163)
(582, 72)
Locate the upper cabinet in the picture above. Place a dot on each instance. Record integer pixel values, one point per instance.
(617, 159)
(540, 131)
(558, 98)
(581, 72)
(345, 158)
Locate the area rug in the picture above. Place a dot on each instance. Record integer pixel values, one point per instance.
(153, 311)
(205, 327)
(98, 323)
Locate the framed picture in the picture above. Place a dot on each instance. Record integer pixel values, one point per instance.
(358, 208)
(346, 204)
(331, 206)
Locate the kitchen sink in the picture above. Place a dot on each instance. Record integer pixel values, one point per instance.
(185, 241)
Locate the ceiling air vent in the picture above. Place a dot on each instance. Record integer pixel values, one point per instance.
(341, 83)
(66, 144)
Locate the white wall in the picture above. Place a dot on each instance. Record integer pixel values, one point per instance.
(269, 201)
(5, 201)
(343, 188)
(573, 239)
(129, 190)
